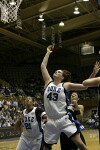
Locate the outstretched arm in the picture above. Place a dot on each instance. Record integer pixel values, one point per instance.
(45, 74)
(92, 82)
(86, 83)
(74, 86)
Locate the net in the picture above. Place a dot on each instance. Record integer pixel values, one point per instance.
(9, 9)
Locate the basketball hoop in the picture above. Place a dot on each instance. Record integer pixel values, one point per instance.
(9, 9)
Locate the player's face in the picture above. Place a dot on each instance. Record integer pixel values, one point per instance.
(74, 96)
(28, 101)
(58, 74)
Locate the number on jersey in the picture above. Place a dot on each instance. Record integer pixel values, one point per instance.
(28, 126)
(52, 96)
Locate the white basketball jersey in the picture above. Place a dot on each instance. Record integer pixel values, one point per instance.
(30, 125)
(55, 100)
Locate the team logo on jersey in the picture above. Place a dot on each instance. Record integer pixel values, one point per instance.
(54, 89)
(28, 119)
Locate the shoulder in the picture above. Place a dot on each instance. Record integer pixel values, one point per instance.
(81, 107)
(48, 83)
(23, 111)
(67, 85)
(39, 111)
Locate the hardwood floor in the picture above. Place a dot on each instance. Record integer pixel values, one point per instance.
(91, 136)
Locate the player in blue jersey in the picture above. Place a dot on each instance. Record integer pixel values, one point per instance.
(30, 119)
(77, 113)
(56, 103)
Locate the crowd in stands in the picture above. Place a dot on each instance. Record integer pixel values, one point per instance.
(93, 121)
(9, 109)
(12, 100)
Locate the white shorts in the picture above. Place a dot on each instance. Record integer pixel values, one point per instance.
(29, 144)
(53, 129)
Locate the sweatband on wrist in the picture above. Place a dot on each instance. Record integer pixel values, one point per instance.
(44, 113)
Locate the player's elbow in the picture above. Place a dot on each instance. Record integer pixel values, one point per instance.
(42, 65)
(84, 87)
(84, 83)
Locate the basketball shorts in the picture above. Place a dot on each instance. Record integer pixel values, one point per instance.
(29, 144)
(53, 129)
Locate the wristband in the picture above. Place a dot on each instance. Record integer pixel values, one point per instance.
(77, 112)
(48, 49)
(44, 113)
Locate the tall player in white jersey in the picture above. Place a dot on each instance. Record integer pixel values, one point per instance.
(30, 119)
(56, 102)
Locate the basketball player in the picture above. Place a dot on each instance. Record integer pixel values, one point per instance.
(77, 113)
(56, 102)
(30, 119)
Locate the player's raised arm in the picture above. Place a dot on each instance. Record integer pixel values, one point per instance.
(96, 69)
(45, 73)
(92, 80)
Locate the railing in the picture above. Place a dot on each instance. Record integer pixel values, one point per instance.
(9, 132)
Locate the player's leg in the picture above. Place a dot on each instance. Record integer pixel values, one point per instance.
(77, 140)
(67, 143)
(51, 134)
(82, 138)
(71, 131)
(22, 145)
(47, 146)
(36, 144)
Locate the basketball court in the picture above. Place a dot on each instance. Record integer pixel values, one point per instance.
(91, 136)
(10, 13)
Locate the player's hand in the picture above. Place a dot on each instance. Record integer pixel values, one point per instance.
(74, 103)
(21, 116)
(44, 119)
(96, 68)
(50, 48)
